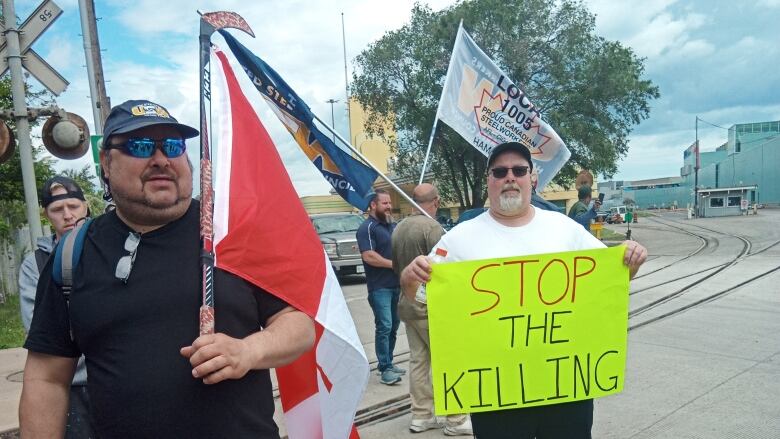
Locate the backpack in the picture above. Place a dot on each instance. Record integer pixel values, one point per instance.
(66, 258)
(41, 257)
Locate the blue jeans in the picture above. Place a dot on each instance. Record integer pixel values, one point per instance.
(384, 303)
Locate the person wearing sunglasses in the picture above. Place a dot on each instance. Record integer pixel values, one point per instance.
(64, 205)
(512, 227)
(133, 309)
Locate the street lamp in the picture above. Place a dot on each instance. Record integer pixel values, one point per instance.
(332, 118)
(696, 172)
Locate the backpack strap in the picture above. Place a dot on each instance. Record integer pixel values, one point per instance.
(41, 256)
(67, 255)
(66, 259)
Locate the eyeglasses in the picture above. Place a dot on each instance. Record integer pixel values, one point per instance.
(501, 172)
(125, 264)
(144, 147)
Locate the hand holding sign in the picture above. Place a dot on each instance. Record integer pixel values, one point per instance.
(531, 330)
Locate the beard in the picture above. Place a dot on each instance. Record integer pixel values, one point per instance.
(510, 203)
(381, 215)
(146, 209)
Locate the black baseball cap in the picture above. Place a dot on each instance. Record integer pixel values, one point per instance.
(510, 146)
(71, 187)
(132, 115)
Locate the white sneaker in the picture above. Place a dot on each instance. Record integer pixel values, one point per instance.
(463, 429)
(420, 425)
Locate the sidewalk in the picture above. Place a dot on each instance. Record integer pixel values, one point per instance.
(11, 365)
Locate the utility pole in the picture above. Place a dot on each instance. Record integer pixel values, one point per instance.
(696, 173)
(22, 123)
(346, 79)
(97, 86)
(332, 118)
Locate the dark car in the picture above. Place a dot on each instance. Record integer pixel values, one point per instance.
(337, 234)
(471, 214)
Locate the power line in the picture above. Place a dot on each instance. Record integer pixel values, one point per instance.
(710, 123)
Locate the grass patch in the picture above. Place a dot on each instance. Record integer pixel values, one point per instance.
(11, 330)
(610, 235)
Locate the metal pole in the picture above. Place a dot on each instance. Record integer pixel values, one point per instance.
(430, 143)
(332, 119)
(22, 123)
(696, 173)
(346, 78)
(369, 164)
(438, 107)
(97, 88)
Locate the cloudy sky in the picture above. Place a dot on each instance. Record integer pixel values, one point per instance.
(714, 59)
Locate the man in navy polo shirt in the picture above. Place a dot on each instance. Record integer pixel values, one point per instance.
(373, 239)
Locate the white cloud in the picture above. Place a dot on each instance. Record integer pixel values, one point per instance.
(620, 20)
(707, 60)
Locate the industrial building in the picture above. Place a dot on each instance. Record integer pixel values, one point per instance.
(746, 166)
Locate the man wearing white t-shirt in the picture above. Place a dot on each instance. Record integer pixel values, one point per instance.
(513, 227)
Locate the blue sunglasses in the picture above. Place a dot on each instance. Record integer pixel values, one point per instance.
(144, 147)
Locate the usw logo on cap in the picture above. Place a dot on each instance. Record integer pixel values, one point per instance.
(149, 109)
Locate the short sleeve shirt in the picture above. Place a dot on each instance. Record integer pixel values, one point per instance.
(131, 333)
(376, 235)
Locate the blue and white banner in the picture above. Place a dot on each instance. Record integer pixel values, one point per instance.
(487, 108)
(350, 178)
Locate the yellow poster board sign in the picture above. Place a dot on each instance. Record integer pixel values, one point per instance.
(528, 330)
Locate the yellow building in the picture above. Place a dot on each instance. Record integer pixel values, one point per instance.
(373, 148)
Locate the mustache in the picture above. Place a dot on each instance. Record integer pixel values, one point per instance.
(510, 186)
(155, 173)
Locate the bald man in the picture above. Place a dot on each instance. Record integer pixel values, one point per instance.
(414, 236)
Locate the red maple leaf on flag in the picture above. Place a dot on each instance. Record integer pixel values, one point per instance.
(538, 150)
(477, 111)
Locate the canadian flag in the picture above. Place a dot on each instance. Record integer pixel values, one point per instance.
(263, 234)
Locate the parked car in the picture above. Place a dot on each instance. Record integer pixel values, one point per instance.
(446, 223)
(471, 214)
(337, 234)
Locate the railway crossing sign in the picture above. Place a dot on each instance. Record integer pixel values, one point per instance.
(30, 30)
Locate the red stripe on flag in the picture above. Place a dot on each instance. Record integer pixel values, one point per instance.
(270, 240)
(298, 380)
(271, 243)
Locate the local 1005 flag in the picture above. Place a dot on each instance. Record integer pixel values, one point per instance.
(350, 178)
(263, 235)
(486, 108)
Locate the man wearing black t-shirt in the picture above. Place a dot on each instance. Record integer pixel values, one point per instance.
(134, 312)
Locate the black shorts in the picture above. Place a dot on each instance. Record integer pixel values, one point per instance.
(572, 420)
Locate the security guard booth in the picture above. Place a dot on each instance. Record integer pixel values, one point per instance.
(726, 201)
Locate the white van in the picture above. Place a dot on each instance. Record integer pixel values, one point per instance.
(618, 212)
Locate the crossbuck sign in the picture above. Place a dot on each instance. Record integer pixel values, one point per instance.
(29, 31)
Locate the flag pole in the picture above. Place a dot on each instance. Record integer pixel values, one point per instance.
(438, 107)
(430, 142)
(371, 165)
(209, 23)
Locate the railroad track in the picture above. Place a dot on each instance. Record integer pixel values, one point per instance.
(400, 405)
(709, 273)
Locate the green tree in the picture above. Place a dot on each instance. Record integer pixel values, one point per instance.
(91, 191)
(589, 89)
(12, 202)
